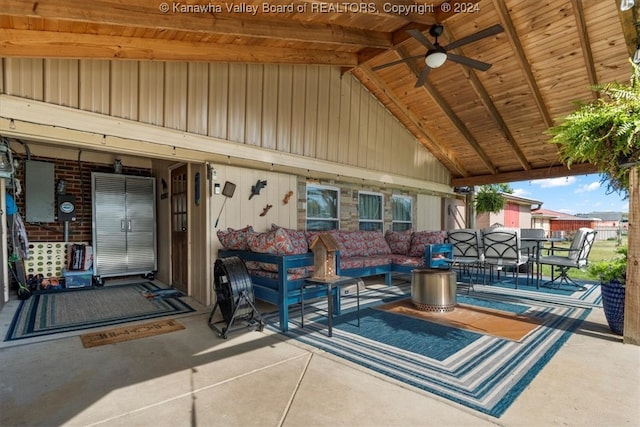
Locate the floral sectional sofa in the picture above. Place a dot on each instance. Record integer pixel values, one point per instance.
(362, 254)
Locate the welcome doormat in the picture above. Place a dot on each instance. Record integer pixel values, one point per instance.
(58, 312)
(480, 371)
(128, 333)
(483, 320)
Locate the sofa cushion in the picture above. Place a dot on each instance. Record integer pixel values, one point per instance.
(376, 260)
(352, 262)
(407, 261)
(274, 242)
(298, 239)
(420, 239)
(399, 241)
(352, 244)
(375, 243)
(235, 239)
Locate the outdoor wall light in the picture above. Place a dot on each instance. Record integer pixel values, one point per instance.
(636, 56)
(627, 4)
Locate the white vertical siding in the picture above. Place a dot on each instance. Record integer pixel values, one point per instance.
(24, 77)
(94, 86)
(253, 122)
(312, 111)
(237, 101)
(175, 95)
(429, 210)
(218, 100)
(61, 82)
(197, 96)
(151, 107)
(285, 99)
(270, 107)
(124, 89)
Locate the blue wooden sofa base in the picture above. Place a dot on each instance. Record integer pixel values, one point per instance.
(283, 293)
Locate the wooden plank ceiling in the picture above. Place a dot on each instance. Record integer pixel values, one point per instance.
(484, 127)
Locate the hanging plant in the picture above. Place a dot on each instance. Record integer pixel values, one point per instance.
(605, 133)
(489, 198)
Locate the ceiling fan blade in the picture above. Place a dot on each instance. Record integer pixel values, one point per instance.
(423, 76)
(411, 58)
(482, 66)
(495, 29)
(417, 34)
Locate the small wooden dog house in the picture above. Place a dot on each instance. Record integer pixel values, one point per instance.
(324, 248)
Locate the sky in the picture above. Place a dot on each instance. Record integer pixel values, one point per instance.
(572, 194)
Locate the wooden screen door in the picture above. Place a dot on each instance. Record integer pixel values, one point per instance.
(179, 230)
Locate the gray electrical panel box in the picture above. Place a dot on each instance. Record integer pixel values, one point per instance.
(39, 191)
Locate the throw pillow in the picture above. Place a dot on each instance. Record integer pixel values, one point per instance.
(399, 241)
(235, 239)
(420, 239)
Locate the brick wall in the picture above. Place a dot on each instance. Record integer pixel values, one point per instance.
(78, 185)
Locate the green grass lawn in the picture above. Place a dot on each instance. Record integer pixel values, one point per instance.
(601, 250)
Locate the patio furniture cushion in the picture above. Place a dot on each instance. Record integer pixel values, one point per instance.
(420, 239)
(274, 242)
(298, 238)
(375, 243)
(399, 241)
(235, 239)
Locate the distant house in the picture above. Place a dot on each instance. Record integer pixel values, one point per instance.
(558, 224)
(516, 213)
(609, 219)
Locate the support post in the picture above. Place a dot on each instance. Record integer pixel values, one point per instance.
(632, 287)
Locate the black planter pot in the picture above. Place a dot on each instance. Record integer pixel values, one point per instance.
(613, 305)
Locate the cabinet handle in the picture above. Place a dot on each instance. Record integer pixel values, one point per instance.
(122, 225)
(129, 225)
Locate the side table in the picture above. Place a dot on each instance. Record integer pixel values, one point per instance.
(332, 283)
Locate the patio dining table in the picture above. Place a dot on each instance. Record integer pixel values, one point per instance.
(539, 242)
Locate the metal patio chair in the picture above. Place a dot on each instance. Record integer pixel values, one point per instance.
(502, 249)
(576, 257)
(467, 252)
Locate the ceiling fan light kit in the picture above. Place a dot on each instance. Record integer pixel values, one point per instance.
(626, 4)
(435, 58)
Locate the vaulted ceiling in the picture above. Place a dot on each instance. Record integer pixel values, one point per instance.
(484, 126)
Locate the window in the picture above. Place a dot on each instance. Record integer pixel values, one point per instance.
(323, 209)
(370, 210)
(402, 209)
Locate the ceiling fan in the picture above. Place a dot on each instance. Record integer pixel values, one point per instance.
(437, 55)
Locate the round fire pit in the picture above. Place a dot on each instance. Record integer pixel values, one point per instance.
(433, 290)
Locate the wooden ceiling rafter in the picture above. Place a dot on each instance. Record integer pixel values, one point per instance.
(539, 173)
(512, 34)
(585, 43)
(46, 44)
(409, 119)
(141, 12)
(488, 103)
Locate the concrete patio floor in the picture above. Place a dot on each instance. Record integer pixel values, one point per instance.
(194, 378)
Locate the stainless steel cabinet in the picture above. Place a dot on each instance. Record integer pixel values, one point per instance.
(124, 225)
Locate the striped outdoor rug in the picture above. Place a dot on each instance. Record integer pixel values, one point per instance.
(479, 371)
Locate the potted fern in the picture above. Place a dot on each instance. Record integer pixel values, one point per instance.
(612, 274)
(606, 133)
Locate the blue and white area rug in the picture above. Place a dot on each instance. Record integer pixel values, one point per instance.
(479, 371)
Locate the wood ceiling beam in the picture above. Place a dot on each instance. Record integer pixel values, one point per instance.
(482, 93)
(462, 128)
(47, 44)
(387, 96)
(585, 43)
(631, 31)
(538, 173)
(448, 111)
(145, 14)
(510, 30)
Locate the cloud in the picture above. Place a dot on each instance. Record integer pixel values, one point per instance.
(588, 187)
(520, 192)
(555, 182)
